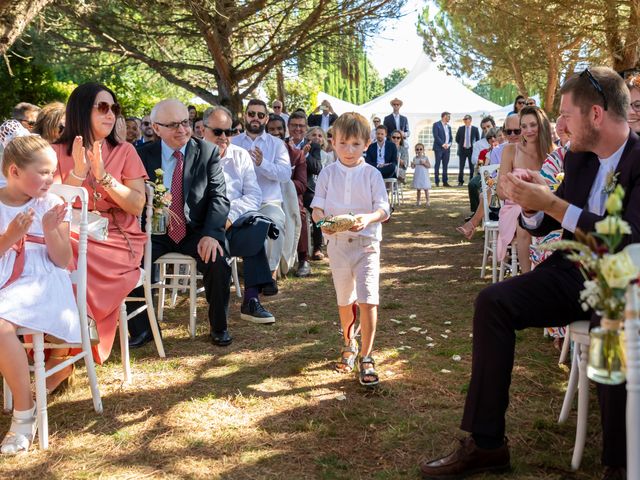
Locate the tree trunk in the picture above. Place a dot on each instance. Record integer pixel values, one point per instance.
(281, 92)
(15, 15)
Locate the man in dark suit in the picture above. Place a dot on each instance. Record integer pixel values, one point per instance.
(466, 136)
(595, 110)
(395, 121)
(383, 154)
(199, 211)
(324, 119)
(442, 147)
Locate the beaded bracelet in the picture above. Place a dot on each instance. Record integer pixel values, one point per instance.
(107, 181)
(78, 177)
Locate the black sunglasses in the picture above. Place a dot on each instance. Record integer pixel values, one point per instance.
(396, 138)
(31, 123)
(176, 125)
(596, 85)
(252, 114)
(146, 124)
(515, 131)
(104, 107)
(520, 102)
(229, 132)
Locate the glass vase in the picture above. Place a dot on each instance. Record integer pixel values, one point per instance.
(159, 223)
(607, 362)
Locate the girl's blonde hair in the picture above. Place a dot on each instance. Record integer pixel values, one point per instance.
(49, 121)
(21, 152)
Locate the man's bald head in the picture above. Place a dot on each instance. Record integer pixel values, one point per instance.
(170, 121)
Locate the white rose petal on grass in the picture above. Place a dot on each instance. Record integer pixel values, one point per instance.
(444, 370)
(302, 305)
(456, 358)
(415, 329)
(412, 316)
(341, 398)
(423, 332)
(471, 335)
(402, 332)
(428, 339)
(444, 336)
(447, 331)
(389, 373)
(447, 323)
(395, 321)
(431, 345)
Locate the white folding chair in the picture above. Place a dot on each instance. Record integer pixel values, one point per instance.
(392, 187)
(578, 333)
(513, 253)
(39, 343)
(145, 282)
(177, 281)
(490, 226)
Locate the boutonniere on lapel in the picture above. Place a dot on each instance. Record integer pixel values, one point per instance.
(610, 182)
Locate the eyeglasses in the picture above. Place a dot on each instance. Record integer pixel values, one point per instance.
(276, 106)
(297, 125)
(515, 131)
(520, 102)
(175, 125)
(635, 106)
(104, 107)
(229, 132)
(596, 85)
(146, 124)
(31, 123)
(395, 104)
(396, 138)
(531, 104)
(253, 113)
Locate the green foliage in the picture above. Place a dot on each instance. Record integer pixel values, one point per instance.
(394, 78)
(500, 94)
(30, 82)
(301, 91)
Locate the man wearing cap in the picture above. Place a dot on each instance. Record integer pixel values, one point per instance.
(466, 136)
(395, 121)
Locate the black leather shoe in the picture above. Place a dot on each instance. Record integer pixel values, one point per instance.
(445, 184)
(615, 473)
(221, 339)
(467, 459)
(141, 340)
(270, 290)
(253, 311)
(460, 184)
(304, 270)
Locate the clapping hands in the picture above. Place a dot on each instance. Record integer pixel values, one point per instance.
(20, 225)
(54, 217)
(87, 160)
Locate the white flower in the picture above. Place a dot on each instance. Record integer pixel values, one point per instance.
(161, 188)
(612, 225)
(159, 172)
(618, 269)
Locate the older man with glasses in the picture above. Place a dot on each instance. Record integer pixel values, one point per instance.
(26, 114)
(272, 167)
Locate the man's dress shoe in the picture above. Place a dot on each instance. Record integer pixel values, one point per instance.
(221, 339)
(141, 339)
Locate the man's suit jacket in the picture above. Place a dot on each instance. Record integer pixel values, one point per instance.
(439, 138)
(315, 119)
(390, 123)
(580, 171)
(390, 156)
(206, 206)
(474, 136)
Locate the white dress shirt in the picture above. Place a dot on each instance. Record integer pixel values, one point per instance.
(381, 152)
(360, 189)
(243, 191)
(396, 117)
(275, 167)
(597, 196)
(447, 140)
(324, 122)
(496, 154)
(169, 163)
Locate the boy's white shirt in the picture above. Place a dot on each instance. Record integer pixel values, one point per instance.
(356, 190)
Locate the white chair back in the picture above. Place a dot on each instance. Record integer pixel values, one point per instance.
(487, 172)
(148, 213)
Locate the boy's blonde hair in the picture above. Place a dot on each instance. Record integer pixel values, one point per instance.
(20, 151)
(350, 125)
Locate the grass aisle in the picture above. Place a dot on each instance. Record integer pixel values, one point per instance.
(269, 406)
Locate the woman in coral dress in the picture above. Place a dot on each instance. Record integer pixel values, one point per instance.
(522, 159)
(90, 155)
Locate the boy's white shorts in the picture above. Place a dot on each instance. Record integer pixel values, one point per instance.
(355, 268)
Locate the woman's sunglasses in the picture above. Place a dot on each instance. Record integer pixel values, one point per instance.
(104, 107)
(396, 138)
(515, 131)
(252, 114)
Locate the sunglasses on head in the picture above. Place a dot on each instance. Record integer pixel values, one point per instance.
(104, 107)
(596, 85)
(515, 131)
(175, 125)
(253, 114)
(229, 132)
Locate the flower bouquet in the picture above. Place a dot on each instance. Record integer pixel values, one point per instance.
(161, 204)
(607, 275)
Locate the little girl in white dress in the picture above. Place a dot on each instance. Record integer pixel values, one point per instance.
(35, 287)
(421, 179)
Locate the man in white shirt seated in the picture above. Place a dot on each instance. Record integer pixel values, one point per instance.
(244, 196)
(272, 167)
